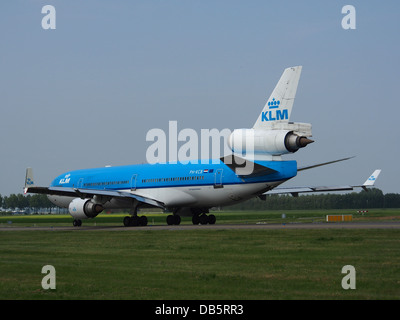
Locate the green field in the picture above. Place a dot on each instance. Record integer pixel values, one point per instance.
(200, 264)
(223, 217)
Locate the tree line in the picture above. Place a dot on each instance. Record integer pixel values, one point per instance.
(373, 198)
(20, 201)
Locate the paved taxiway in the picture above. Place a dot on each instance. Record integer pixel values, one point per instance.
(272, 226)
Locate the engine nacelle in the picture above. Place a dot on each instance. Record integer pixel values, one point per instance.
(271, 142)
(84, 208)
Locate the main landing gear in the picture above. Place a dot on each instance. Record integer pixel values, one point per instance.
(135, 221)
(203, 219)
(200, 216)
(196, 219)
(173, 220)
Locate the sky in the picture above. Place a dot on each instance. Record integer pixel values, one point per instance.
(86, 93)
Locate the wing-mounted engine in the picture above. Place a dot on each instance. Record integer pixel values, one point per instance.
(84, 208)
(280, 138)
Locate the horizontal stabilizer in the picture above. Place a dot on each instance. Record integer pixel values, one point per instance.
(245, 168)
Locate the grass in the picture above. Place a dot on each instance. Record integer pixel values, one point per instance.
(201, 264)
(225, 217)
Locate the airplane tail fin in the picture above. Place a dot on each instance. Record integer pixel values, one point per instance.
(29, 179)
(279, 105)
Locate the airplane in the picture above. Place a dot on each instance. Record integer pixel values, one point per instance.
(254, 168)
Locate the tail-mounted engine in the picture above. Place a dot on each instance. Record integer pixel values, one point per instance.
(276, 141)
(84, 208)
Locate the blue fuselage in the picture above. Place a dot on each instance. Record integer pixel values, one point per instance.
(170, 175)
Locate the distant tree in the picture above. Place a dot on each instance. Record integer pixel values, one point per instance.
(38, 201)
(34, 202)
(23, 201)
(392, 200)
(373, 198)
(45, 201)
(11, 201)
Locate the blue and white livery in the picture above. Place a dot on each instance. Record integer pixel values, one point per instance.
(254, 168)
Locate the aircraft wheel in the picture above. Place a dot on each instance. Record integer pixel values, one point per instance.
(170, 220)
(177, 220)
(211, 219)
(135, 221)
(77, 223)
(173, 220)
(195, 219)
(203, 219)
(127, 221)
(143, 221)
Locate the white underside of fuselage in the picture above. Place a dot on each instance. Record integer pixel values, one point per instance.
(188, 196)
(206, 195)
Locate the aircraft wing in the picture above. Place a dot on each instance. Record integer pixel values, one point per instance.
(90, 193)
(294, 191)
(85, 193)
(322, 164)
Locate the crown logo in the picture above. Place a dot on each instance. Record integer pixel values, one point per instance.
(274, 104)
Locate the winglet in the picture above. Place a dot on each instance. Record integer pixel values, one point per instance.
(372, 178)
(29, 182)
